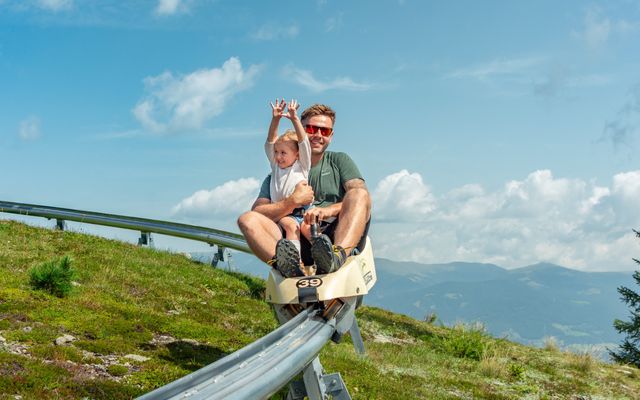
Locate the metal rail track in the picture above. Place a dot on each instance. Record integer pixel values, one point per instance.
(199, 233)
(258, 370)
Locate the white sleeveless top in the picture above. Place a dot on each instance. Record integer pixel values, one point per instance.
(284, 180)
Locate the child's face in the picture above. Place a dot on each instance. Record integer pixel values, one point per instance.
(286, 153)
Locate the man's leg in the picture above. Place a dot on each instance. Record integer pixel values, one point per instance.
(261, 234)
(356, 211)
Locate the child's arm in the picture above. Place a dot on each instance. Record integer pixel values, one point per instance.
(292, 114)
(304, 147)
(277, 113)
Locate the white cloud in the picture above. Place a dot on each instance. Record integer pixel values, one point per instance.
(55, 5)
(514, 67)
(598, 28)
(30, 128)
(540, 218)
(403, 197)
(178, 103)
(306, 79)
(227, 200)
(271, 32)
(547, 77)
(170, 7)
(570, 222)
(620, 130)
(334, 23)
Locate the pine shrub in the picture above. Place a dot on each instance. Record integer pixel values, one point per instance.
(53, 276)
(629, 351)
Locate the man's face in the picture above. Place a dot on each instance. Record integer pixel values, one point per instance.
(319, 142)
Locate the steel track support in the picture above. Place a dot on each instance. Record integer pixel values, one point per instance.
(317, 386)
(218, 256)
(145, 239)
(60, 224)
(356, 338)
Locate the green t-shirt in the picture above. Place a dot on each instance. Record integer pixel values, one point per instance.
(327, 178)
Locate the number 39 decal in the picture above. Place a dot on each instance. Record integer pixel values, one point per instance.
(309, 283)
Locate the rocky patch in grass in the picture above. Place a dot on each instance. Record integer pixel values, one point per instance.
(95, 366)
(12, 347)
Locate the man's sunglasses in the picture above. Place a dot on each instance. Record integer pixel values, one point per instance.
(312, 130)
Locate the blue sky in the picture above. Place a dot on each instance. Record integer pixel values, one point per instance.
(492, 131)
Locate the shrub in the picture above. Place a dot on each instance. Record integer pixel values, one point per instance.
(466, 342)
(491, 366)
(431, 318)
(516, 370)
(53, 276)
(551, 344)
(582, 362)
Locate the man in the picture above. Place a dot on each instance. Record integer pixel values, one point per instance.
(341, 201)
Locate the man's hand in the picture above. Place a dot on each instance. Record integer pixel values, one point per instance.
(292, 110)
(302, 194)
(317, 214)
(278, 109)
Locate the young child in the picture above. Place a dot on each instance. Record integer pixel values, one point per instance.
(290, 159)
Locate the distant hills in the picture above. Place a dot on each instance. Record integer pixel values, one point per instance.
(526, 304)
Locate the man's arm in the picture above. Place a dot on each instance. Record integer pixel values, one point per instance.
(274, 211)
(303, 194)
(333, 210)
(355, 184)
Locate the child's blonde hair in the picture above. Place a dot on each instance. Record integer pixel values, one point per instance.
(288, 136)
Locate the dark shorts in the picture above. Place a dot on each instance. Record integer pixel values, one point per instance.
(329, 230)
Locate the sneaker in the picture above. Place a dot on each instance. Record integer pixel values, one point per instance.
(328, 258)
(287, 259)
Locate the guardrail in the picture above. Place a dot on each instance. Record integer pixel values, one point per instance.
(145, 226)
(255, 371)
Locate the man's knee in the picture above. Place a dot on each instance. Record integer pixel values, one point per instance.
(247, 220)
(360, 197)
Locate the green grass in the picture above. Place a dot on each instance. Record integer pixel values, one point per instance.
(182, 315)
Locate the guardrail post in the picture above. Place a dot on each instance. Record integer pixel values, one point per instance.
(60, 224)
(218, 256)
(145, 239)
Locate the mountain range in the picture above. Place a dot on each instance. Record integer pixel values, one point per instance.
(526, 304)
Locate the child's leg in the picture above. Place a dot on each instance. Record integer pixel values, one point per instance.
(292, 231)
(305, 229)
(291, 228)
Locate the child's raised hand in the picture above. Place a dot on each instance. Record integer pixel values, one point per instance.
(278, 108)
(292, 109)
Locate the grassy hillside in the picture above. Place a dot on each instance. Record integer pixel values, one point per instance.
(139, 318)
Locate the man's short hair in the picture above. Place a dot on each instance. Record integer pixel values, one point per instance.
(318, 109)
